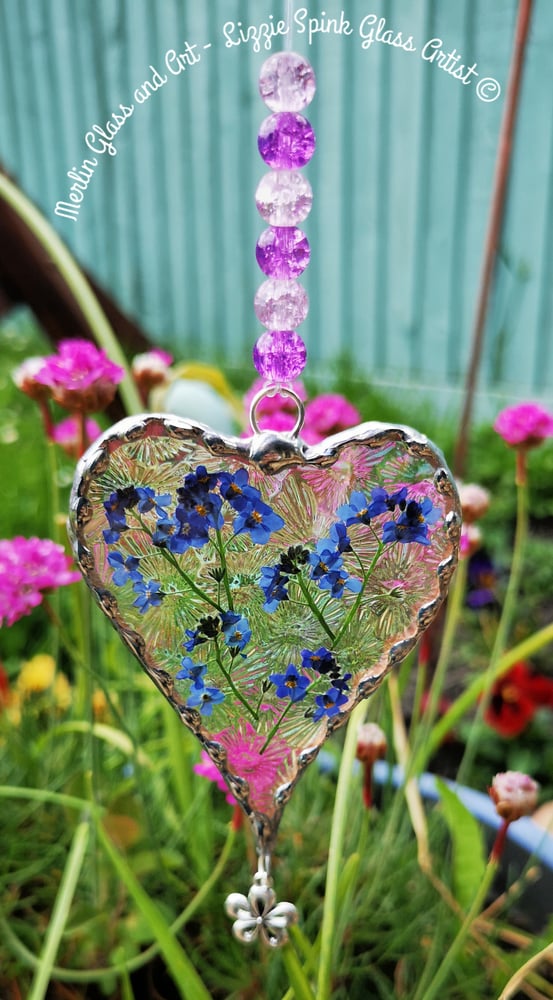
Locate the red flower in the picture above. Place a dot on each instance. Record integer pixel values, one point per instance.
(515, 699)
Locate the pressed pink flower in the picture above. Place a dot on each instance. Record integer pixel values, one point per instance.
(29, 568)
(525, 425)
(207, 769)
(261, 770)
(80, 376)
(328, 414)
(68, 435)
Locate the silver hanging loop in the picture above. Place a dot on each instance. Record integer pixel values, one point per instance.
(266, 393)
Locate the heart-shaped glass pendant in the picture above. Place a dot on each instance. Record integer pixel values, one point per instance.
(265, 586)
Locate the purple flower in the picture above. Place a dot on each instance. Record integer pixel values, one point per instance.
(80, 377)
(341, 682)
(149, 500)
(205, 698)
(339, 535)
(292, 684)
(236, 490)
(115, 508)
(329, 704)
(166, 529)
(259, 521)
(327, 570)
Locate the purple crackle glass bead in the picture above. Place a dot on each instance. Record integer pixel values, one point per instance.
(281, 305)
(284, 197)
(287, 82)
(279, 355)
(286, 141)
(282, 252)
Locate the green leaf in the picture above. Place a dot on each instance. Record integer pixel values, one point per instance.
(469, 853)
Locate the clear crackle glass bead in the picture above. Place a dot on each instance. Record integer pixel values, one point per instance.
(279, 355)
(284, 197)
(286, 141)
(282, 252)
(287, 82)
(281, 305)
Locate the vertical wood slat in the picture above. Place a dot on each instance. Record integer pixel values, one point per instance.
(401, 179)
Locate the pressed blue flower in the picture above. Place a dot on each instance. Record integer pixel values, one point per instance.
(236, 490)
(324, 560)
(236, 630)
(384, 503)
(273, 583)
(339, 536)
(150, 595)
(197, 486)
(204, 699)
(292, 684)
(115, 508)
(193, 531)
(259, 521)
(341, 682)
(149, 500)
(124, 569)
(329, 704)
(320, 659)
(338, 580)
(356, 511)
(191, 671)
(412, 524)
(166, 528)
(195, 638)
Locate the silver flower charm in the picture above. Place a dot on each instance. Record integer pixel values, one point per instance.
(256, 914)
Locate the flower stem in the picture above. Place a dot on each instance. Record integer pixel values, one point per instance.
(305, 591)
(504, 625)
(231, 683)
(221, 550)
(352, 611)
(275, 727)
(174, 562)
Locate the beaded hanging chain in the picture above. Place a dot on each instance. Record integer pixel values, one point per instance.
(283, 197)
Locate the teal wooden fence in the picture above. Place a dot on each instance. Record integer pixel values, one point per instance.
(402, 175)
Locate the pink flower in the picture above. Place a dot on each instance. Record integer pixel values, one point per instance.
(328, 414)
(515, 794)
(25, 378)
(29, 568)
(80, 376)
(207, 769)
(67, 435)
(525, 425)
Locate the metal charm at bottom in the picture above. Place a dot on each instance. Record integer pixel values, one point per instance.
(258, 913)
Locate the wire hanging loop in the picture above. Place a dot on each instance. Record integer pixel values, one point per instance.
(267, 393)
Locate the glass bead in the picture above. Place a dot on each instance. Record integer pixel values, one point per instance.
(281, 305)
(284, 197)
(286, 141)
(282, 252)
(279, 355)
(287, 82)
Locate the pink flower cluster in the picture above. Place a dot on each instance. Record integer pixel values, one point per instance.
(207, 769)
(326, 414)
(80, 377)
(525, 425)
(29, 568)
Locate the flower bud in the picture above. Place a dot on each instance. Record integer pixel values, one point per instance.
(150, 369)
(475, 501)
(471, 540)
(371, 743)
(24, 378)
(515, 794)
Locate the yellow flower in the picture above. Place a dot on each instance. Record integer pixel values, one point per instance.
(99, 705)
(36, 675)
(62, 692)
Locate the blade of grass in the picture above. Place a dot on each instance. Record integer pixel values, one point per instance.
(186, 979)
(296, 975)
(60, 912)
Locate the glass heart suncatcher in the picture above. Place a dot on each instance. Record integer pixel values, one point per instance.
(265, 587)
